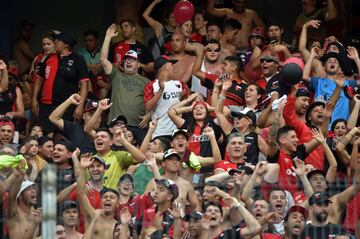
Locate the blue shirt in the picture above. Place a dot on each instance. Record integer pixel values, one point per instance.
(324, 88)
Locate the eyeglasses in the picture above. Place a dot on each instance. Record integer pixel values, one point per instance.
(267, 60)
(212, 50)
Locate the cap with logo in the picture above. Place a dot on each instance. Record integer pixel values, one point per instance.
(162, 60)
(245, 112)
(170, 152)
(131, 54)
(100, 159)
(66, 38)
(119, 119)
(296, 208)
(241, 168)
(170, 185)
(319, 198)
(176, 132)
(91, 105)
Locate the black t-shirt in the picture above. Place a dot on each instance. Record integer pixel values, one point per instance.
(69, 71)
(75, 133)
(326, 232)
(233, 233)
(7, 100)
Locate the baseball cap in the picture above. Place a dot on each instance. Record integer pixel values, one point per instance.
(118, 119)
(241, 168)
(24, 185)
(302, 91)
(179, 131)
(66, 38)
(100, 159)
(296, 208)
(319, 198)
(315, 171)
(68, 204)
(131, 54)
(162, 60)
(170, 152)
(245, 112)
(91, 105)
(193, 215)
(105, 190)
(267, 55)
(170, 185)
(126, 176)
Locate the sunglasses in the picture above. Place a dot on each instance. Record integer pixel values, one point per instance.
(212, 50)
(267, 60)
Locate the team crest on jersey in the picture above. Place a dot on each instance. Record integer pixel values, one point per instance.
(237, 88)
(70, 62)
(47, 72)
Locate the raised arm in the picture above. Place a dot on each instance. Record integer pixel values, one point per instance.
(329, 107)
(307, 68)
(305, 53)
(273, 147)
(217, 12)
(331, 10)
(64, 194)
(4, 83)
(157, 26)
(354, 113)
(249, 186)
(300, 173)
(16, 178)
(151, 104)
(56, 116)
(137, 154)
(225, 125)
(145, 144)
(354, 55)
(312, 144)
(175, 114)
(87, 209)
(106, 64)
(199, 51)
(90, 127)
(216, 155)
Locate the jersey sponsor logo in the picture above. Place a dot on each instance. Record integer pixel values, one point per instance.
(290, 172)
(178, 86)
(238, 88)
(171, 95)
(47, 71)
(275, 85)
(198, 138)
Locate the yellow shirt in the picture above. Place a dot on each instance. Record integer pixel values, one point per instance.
(117, 162)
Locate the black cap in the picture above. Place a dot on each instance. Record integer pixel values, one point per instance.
(240, 169)
(193, 215)
(91, 105)
(246, 112)
(310, 109)
(119, 118)
(100, 159)
(162, 60)
(333, 55)
(126, 176)
(170, 185)
(66, 38)
(105, 190)
(68, 204)
(319, 198)
(302, 91)
(315, 171)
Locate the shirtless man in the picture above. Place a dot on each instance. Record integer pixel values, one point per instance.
(171, 164)
(22, 52)
(214, 32)
(22, 219)
(231, 28)
(185, 63)
(102, 221)
(248, 18)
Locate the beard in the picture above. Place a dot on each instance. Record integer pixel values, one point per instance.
(321, 217)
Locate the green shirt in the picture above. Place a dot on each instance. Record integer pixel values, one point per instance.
(127, 96)
(117, 162)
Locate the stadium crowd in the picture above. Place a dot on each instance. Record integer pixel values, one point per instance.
(214, 128)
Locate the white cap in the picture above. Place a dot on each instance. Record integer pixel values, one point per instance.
(132, 54)
(24, 185)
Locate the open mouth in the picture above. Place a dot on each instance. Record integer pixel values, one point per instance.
(278, 207)
(258, 215)
(107, 205)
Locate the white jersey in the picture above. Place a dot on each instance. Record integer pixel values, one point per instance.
(170, 97)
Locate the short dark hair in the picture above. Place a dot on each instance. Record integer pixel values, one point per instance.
(214, 41)
(283, 130)
(276, 188)
(215, 205)
(104, 129)
(131, 22)
(43, 139)
(202, 12)
(232, 24)
(214, 22)
(67, 144)
(236, 61)
(50, 35)
(91, 32)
